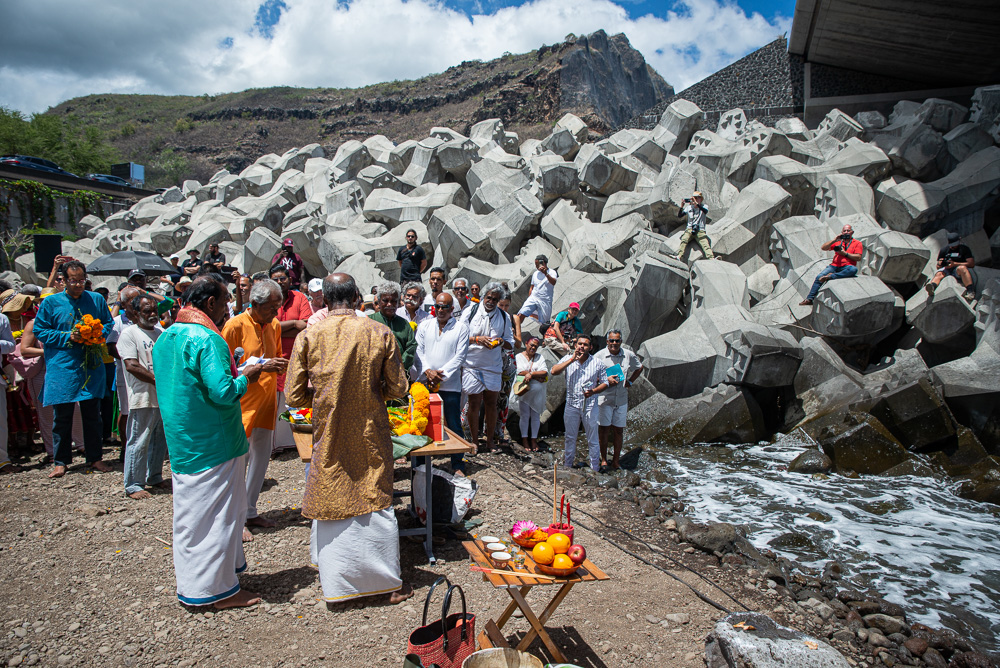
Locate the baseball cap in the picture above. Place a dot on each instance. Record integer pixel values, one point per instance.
(574, 305)
(175, 256)
(697, 193)
(287, 243)
(315, 285)
(953, 237)
(194, 250)
(136, 272)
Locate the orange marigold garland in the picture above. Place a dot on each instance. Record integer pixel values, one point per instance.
(414, 419)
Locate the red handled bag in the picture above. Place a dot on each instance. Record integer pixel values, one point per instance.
(448, 641)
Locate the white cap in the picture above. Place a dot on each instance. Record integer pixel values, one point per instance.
(316, 285)
(175, 256)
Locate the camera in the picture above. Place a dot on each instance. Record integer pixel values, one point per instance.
(844, 237)
(687, 200)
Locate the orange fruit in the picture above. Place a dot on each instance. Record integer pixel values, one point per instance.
(543, 554)
(559, 542)
(562, 561)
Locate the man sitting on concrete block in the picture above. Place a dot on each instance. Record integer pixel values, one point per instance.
(955, 260)
(846, 253)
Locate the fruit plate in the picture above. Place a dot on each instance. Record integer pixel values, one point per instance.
(557, 572)
(527, 544)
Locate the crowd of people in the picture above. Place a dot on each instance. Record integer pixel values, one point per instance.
(202, 370)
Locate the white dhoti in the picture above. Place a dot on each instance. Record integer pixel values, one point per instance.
(282, 438)
(477, 381)
(209, 513)
(358, 556)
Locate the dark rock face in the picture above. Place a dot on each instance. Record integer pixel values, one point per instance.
(916, 415)
(811, 461)
(866, 447)
(607, 75)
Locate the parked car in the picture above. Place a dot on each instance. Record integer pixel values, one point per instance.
(107, 178)
(32, 162)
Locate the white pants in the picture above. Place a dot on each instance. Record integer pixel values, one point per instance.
(530, 421)
(587, 414)
(282, 438)
(259, 456)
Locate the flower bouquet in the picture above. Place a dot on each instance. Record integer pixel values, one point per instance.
(91, 331)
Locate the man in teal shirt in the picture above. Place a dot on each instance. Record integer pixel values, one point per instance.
(199, 393)
(72, 373)
(386, 303)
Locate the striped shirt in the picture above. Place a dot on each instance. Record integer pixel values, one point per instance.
(582, 376)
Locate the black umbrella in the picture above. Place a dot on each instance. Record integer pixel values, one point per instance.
(123, 262)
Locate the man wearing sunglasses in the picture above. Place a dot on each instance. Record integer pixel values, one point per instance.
(460, 288)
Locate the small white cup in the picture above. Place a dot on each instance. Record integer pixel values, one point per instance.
(500, 559)
(496, 546)
(489, 539)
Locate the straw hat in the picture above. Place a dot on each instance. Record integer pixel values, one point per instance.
(15, 302)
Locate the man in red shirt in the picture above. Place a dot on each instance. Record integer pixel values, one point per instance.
(293, 314)
(846, 253)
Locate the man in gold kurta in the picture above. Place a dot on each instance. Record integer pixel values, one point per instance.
(258, 332)
(354, 366)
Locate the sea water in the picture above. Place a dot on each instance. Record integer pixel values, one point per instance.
(910, 538)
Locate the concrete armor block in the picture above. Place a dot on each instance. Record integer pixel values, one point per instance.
(844, 195)
(858, 308)
(942, 316)
(682, 119)
(894, 257)
(392, 208)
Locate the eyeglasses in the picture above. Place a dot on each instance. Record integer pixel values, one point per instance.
(610, 341)
(445, 307)
(461, 289)
(72, 282)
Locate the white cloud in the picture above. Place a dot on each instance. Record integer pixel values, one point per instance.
(54, 50)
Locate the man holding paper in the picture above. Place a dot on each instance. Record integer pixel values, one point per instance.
(258, 332)
(613, 404)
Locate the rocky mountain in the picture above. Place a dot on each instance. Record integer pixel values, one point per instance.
(601, 79)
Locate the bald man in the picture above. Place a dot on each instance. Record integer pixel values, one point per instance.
(846, 253)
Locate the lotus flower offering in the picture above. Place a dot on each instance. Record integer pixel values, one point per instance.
(527, 534)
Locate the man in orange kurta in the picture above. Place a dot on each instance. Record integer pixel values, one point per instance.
(258, 332)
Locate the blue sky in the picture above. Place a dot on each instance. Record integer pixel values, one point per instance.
(54, 50)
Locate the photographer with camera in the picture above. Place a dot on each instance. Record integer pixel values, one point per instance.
(846, 253)
(955, 260)
(697, 216)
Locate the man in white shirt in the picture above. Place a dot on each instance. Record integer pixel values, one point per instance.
(442, 344)
(122, 320)
(435, 279)
(539, 301)
(147, 443)
(585, 377)
(460, 289)
(490, 334)
(613, 404)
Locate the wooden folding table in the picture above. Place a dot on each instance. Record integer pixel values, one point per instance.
(517, 586)
(452, 445)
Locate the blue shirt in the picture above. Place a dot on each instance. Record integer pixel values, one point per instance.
(67, 380)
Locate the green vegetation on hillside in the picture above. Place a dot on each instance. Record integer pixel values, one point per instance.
(64, 140)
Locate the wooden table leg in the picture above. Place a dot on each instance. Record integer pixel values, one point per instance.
(536, 626)
(502, 619)
(546, 613)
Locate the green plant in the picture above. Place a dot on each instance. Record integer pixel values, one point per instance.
(127, 130)
(66, 141)
(183, 125)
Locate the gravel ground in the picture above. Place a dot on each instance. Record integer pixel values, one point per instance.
(84, 581)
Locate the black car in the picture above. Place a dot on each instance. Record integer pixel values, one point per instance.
(107, 178)
(31, 162)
